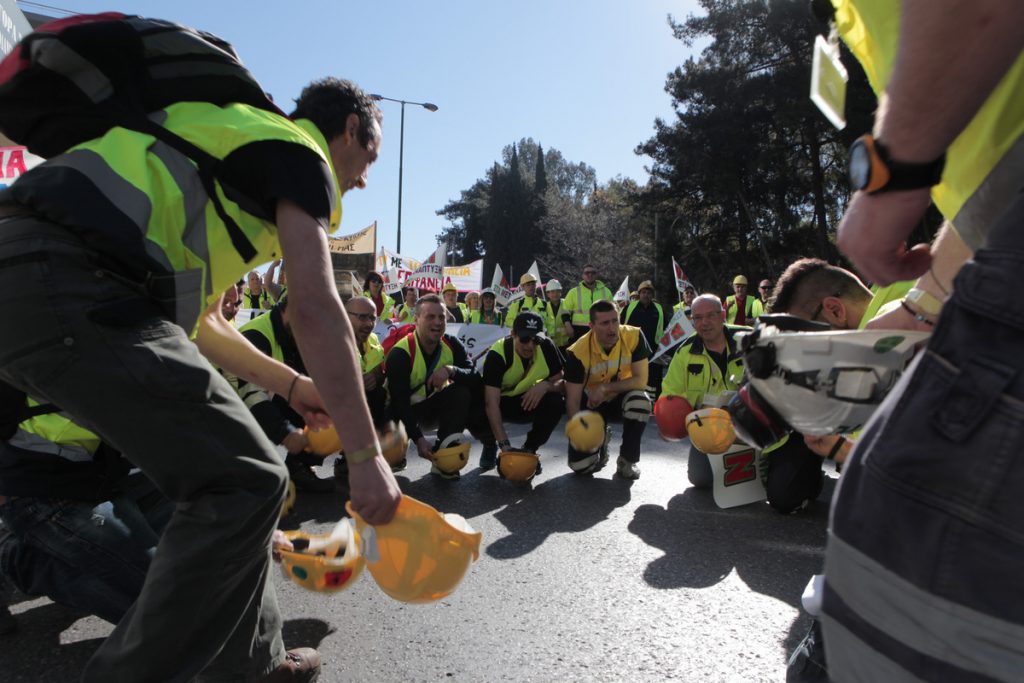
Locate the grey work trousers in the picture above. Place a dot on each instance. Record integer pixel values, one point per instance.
(77, 335)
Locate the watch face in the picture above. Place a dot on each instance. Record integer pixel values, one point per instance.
(859, 166)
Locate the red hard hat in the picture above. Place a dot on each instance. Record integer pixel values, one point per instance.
(670, 413)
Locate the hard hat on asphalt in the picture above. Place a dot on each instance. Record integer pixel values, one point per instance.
(323, 442)
(325, 563)
(394, 444)
(420, 555)
(670, 412)
(517, 465)
(452, 454)
(710, 430)
(585, 430)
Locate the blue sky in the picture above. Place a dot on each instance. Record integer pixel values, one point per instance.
(585, 77)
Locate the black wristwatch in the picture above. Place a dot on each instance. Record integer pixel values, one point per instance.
(504, 445)
(872, 169)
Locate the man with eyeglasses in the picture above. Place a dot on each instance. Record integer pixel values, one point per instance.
(764, 290)
(706, 364)
(523, 383)
(814, 290)
(576, 307)
(272, 335)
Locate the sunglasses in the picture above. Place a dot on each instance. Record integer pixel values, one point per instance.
(527, 339)
(364, 317)
(590, 272)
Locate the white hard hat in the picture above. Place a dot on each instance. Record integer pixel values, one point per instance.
(553, 285)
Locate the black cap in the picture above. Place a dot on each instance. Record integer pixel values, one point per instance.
(528, 324)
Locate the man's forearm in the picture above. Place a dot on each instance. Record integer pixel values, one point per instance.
(492, 406)
(951, 55)
(321, 327)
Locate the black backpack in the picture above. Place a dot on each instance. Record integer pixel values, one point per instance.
(73, 79)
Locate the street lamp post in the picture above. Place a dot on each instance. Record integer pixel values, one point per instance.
(401, 155)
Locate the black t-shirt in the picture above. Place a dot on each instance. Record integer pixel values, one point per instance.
(721, 360)
(495, 366)
(577, 374)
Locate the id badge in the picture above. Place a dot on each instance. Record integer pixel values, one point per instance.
(828, 82)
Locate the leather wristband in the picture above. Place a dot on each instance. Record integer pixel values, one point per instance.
(835, 449)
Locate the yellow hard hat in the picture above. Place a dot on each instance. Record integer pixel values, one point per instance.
(420, 555)
(585, 430)
(324, 565)
(517, 465)
(394, 445)
(739, 280)
(710, 430)
(323, 442)
(453, 454)
(289, 499)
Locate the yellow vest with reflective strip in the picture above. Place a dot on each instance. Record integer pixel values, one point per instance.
(57, 429)
(418, 377)
(159, 190)
(602, 366)
(983, 163)
(517, 379)
(372, 355)
(264, 325)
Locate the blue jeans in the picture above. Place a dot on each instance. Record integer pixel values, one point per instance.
(926, 550)
(89, 556)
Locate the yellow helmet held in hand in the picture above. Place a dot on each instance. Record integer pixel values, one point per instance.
(710, 430)
(325, 563)
(452, 453)
(323, 442)
(517, 465)
(585, 430)
(420, 555)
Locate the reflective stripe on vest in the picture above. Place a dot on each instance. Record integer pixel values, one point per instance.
(984, 163)
(581, 313)
(517, 379)
(601, 366)
(418, 376)
(55, 434)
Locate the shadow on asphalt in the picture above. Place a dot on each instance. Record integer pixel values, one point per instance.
(773, 554)
(531, 522)
(305, 632)
(40, 628)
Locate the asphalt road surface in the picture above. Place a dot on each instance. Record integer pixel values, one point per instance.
(579, 579)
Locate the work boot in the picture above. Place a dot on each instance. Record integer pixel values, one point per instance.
(305, 478)
(627, 469)
(489, 457)
(301, 665)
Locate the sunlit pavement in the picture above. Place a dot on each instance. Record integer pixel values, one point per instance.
(579, 579)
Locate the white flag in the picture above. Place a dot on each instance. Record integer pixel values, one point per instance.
(677, 329)
(501, 292)
(430, 274)
(623, 293)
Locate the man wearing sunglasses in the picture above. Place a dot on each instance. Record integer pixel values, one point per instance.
(523, 383)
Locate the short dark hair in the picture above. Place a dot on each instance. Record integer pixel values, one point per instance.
(328, 102)
(372, 275)
(601, 306)
(427, 299)
(808, 281)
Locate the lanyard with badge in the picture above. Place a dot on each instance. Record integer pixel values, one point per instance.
(829, 77)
